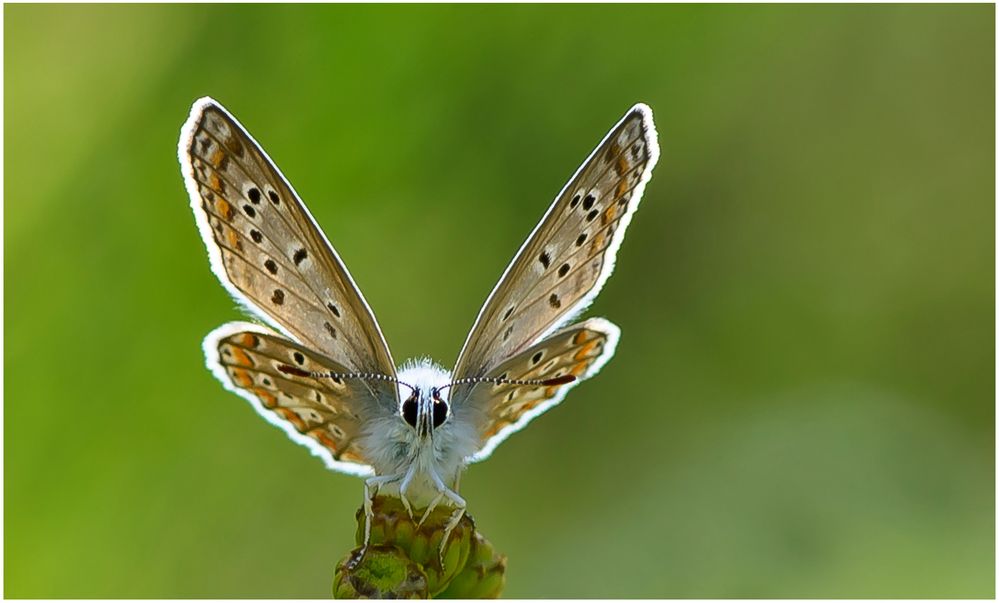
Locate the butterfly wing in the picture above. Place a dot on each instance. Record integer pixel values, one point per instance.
(566, 260)
(497, 411)
(267, 250)
(324, 415)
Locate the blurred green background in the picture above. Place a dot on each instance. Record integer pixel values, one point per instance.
(802, 404)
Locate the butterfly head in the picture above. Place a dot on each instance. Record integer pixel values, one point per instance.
(425, 406)
(424, 413)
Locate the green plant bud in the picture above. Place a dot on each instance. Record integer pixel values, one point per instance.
(484, 574)
(408, 560)
(382, 572)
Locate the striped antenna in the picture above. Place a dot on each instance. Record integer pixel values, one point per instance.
(292, 370)
(499, 380)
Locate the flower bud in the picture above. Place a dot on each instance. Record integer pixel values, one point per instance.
(406, 560)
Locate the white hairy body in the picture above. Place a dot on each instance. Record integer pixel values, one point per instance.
(417, 465)
(421, 468)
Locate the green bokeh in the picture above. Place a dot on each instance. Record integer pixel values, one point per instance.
(802, 403)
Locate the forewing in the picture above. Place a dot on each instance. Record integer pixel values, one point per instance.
(499, 410)
(325, 415)
(267, 250)
(566, 260)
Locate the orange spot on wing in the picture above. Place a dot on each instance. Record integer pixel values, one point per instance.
(323, 438)
(224, 208)
(579, 338)
(497, 426)
(598, 241)
(621, 167)
(610, 213)
(353, 457)
(292, 417)
(242, 357)
(529, 406)
(215, 183)
(269, 399)
(242, 378)
(217, 157)
(622, 188)
(584, 352)
(248, 340)
(580, 368)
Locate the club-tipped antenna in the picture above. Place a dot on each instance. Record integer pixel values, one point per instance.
(562, 380)
(294, 370)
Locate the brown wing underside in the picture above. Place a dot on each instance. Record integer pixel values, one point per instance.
(327, 411)
(273, 257)
(570, 254)
(578, 350)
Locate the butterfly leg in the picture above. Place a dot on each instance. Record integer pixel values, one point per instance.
(433, 505)
(442, 491)
(404, 487)
(459, 511)
(371, 486)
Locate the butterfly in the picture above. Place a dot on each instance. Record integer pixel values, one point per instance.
(320, 369)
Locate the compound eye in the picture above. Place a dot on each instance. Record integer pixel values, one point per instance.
(440, 412)
(409, 411)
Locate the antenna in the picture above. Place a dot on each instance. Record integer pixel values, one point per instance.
(291, 370)
(500, 380)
